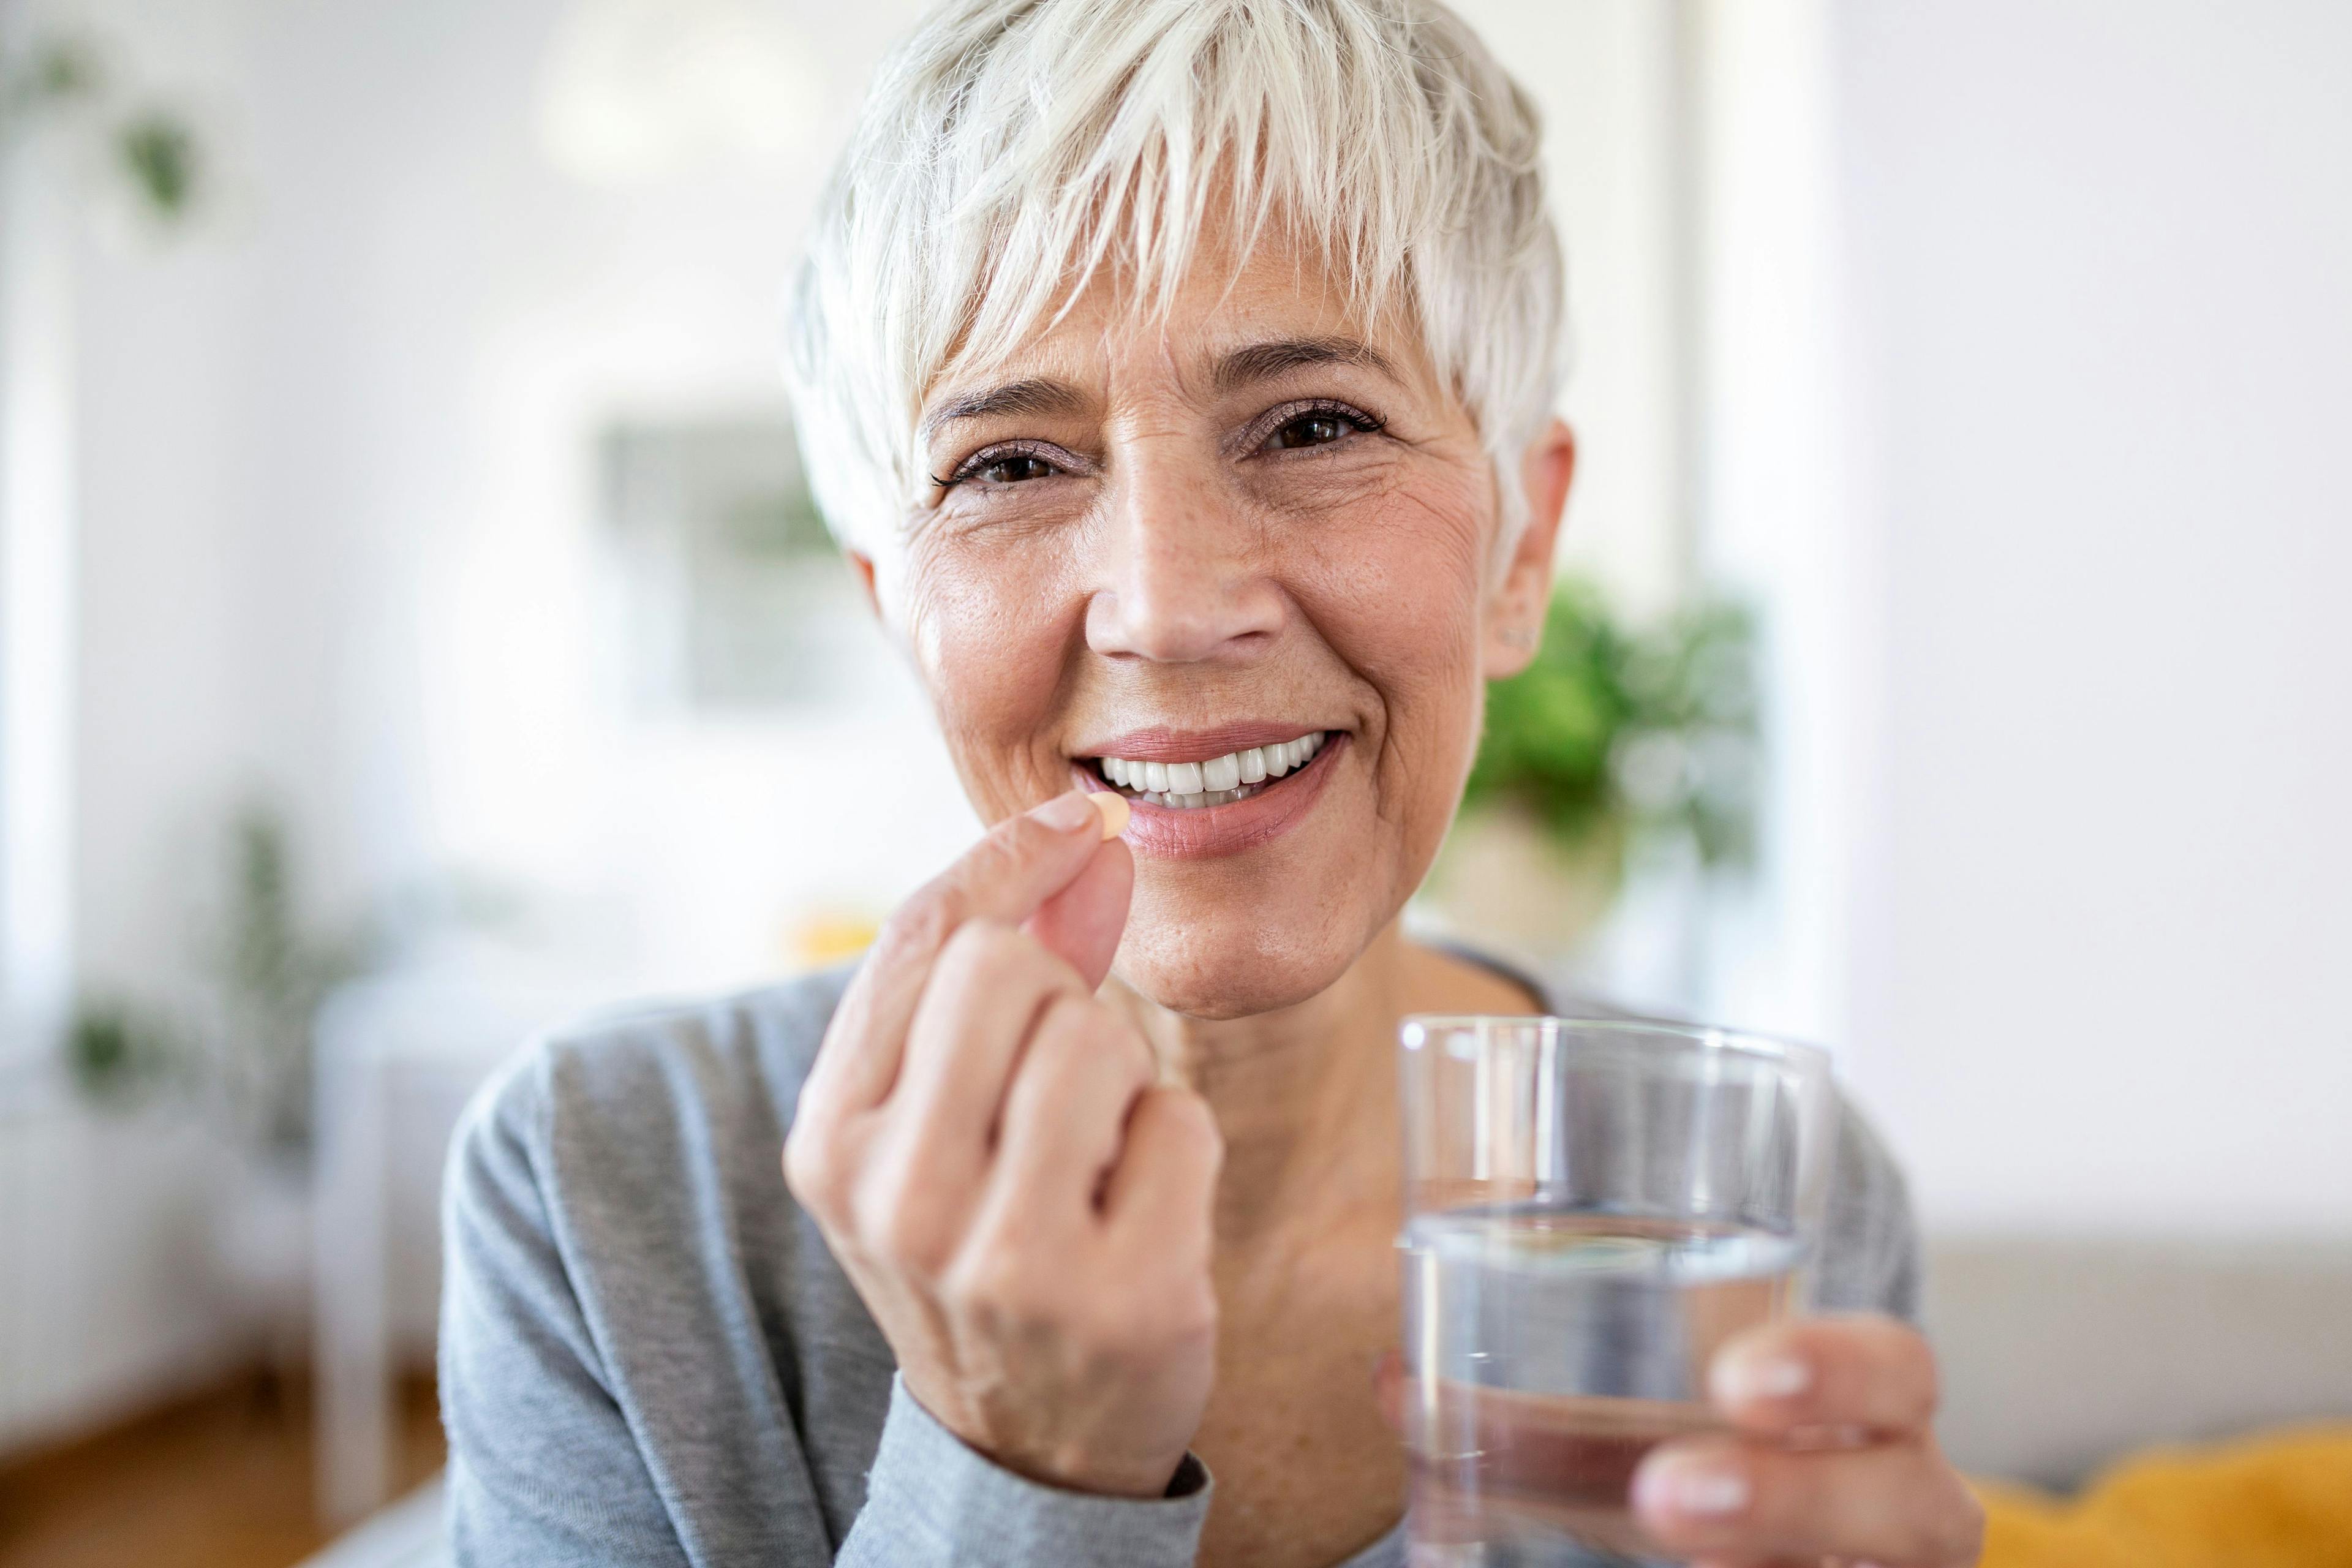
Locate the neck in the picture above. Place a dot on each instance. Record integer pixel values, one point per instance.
(1305, 1095)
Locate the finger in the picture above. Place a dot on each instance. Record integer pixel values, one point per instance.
(1163, 1189)
(1007, 876)
(1853, 1371)
(1082, 923)
(1066, 1110)
(1889, 1502)
(986, 995)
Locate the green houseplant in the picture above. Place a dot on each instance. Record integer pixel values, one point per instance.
(151, 149)
(1617, 740)
(270, 968)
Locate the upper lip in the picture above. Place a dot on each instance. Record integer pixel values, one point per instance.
(1159, 743)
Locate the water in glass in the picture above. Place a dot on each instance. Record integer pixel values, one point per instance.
(1551, 1348)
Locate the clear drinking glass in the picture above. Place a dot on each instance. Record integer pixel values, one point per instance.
(1590, 1209)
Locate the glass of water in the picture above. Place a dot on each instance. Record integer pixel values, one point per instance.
(1591, 1208)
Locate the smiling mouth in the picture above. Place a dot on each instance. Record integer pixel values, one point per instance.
(1216, 781)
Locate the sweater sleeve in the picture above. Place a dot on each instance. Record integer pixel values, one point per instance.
(542, 1467)
(1870, 1259)
(932, 1502)
(546, 1461)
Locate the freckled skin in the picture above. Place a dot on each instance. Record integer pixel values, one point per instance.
(1309, 545)
(1186, 574)
(1160, 551)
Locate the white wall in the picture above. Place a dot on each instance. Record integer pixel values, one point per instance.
(1607, 76)
(340, 539)
(336, 524)
(106, 1297)
(335, 533)
(2100, 255)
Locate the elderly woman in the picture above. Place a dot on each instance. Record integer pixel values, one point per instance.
(1178, 375)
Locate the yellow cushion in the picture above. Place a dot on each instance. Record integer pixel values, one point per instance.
(2282, 1500)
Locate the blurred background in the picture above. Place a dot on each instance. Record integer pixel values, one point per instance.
(413, 627)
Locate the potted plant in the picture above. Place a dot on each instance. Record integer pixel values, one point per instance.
(1616, 745)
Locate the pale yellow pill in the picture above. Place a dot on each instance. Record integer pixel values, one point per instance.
(1114, 812)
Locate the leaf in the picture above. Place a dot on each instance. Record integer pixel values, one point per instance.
(1557, 734)
(159, 153)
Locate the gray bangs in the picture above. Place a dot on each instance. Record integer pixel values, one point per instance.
(1012, 152)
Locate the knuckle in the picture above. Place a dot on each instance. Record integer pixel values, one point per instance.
(1129, 1327)
(1190, 1119)
(1054, 1051)
(1000, 855)
(1929, 1379)
(1789, 1499)
(1107, 1038)
(987, 957)
(991, 1283)
(1066, 1041)
(921, 925)
(1190, 1310)
(1910, 1366)
(1074, 1015)
(813, 1168)
(901, 1230)
(976, 947)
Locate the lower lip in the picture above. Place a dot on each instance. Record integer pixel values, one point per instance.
(1174, 833)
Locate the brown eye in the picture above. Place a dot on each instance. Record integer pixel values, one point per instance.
(1014, 467)
(1313, 430)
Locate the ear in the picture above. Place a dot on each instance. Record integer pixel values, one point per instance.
(863, 566)
(1515, 611)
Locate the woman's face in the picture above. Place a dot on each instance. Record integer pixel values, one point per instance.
(1184, 544)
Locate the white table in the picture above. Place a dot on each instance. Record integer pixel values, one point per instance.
(397, 1058)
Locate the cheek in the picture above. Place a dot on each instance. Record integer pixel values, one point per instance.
(1398, 593)
(989, 634)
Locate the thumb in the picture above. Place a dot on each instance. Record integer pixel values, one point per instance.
(1084, 922)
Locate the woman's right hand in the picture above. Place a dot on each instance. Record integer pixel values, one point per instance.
(1023, 1210)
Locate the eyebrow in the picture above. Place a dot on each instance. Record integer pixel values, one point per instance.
(1035, 395)
(1255, 363)
(1263, 361)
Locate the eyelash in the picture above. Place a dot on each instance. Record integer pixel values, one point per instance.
(1281, 419)
(1271, 426)
(988, 457)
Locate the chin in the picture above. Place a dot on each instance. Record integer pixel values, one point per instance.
(1228, 955)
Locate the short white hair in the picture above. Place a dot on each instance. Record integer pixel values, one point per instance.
(1010, 151)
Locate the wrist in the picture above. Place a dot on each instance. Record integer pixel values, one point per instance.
(1090, 1464)
(929, 1485)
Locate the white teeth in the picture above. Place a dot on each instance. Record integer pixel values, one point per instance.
(1218, 780)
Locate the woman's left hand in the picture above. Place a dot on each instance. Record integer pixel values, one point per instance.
(1833, 1456)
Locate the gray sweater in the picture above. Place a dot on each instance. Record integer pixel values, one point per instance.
(650, 1357)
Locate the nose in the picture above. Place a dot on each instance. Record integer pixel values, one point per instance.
(1185, 579)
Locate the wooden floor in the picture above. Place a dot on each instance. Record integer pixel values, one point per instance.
(221, 1480)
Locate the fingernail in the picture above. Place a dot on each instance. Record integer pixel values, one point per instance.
(1745, 1379)
(1068, 813)
(1689, 1485)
